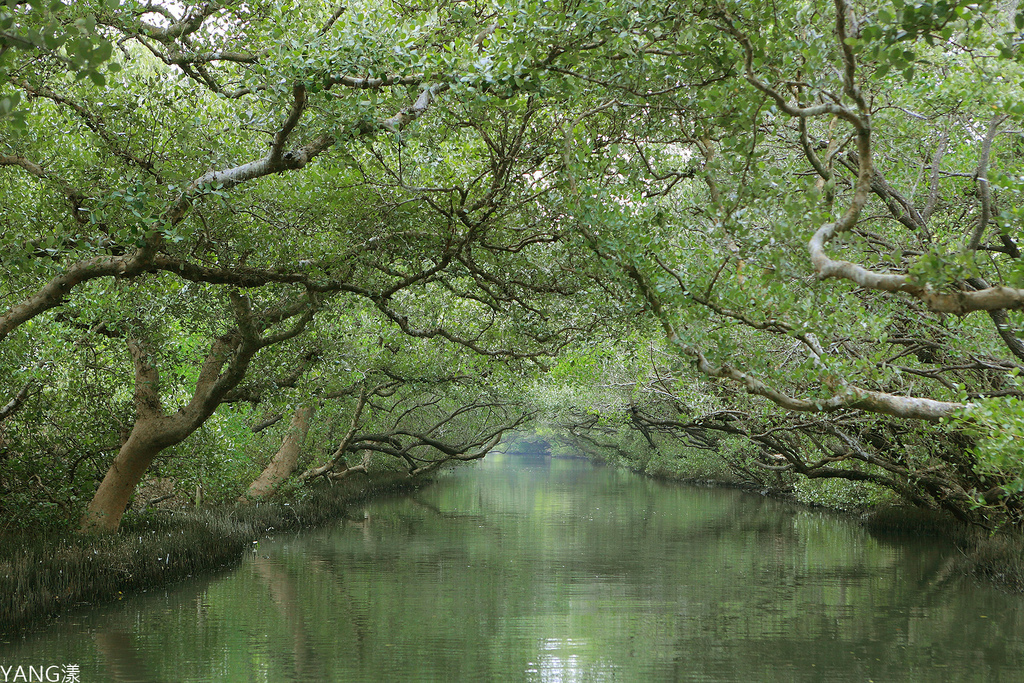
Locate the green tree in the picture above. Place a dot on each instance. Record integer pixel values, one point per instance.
(806, 200)
(815, 204)
(172, 217)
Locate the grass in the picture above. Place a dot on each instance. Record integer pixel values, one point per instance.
(905, 520)
(994, 557)
(998, 558)
(41, 577)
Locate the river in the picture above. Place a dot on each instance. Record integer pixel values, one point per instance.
(517, 569)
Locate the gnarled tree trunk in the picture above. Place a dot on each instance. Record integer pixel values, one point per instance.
(111, 498)
(223, 369)
(154, 431)
(285, 460)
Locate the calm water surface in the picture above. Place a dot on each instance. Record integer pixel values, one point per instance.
(532, 570)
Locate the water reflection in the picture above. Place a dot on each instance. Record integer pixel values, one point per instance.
(560, 571)
(122, 661)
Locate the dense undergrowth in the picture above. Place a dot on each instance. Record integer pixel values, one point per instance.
(44, 575)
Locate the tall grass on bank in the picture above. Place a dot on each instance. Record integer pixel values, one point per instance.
(992, 557)
(998, 558)
(43, 576)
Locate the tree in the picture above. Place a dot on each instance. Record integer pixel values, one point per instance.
(231, 181)
(816, 206)
(785, 198)
(154, 429)
(286, 459)
(414, 404)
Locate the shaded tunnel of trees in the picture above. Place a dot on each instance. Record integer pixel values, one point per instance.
(249, 246)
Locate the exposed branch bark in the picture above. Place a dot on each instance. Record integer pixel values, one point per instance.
(339, 452)
(783, 103)
(366, 83)
(984, 191)
(267, 422)
(334, 17)
(1002, 322)
(481, 451)
(899, 206)
(187, 25)
(281, 137)
(11, 407)
(406, 116)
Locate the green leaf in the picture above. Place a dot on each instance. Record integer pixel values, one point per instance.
(8, 103)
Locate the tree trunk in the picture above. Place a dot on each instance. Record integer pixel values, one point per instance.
(108, 505)
(285, 460)
(154, 431)
(224, 367)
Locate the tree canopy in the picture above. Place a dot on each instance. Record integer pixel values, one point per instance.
(788, 235)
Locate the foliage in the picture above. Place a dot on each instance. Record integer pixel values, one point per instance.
(787, 236)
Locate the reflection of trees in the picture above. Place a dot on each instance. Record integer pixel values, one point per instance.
(119, 629)
(285, 596)
(582, 573)
(123, 662)
(340, 598)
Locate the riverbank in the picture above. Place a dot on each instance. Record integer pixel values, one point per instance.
(41, 577)
(994, 557)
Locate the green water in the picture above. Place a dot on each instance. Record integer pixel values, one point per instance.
(513, 570)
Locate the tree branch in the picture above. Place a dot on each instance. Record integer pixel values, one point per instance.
(12, 406)
(74, 198)
(847, 397)
(984, 191)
